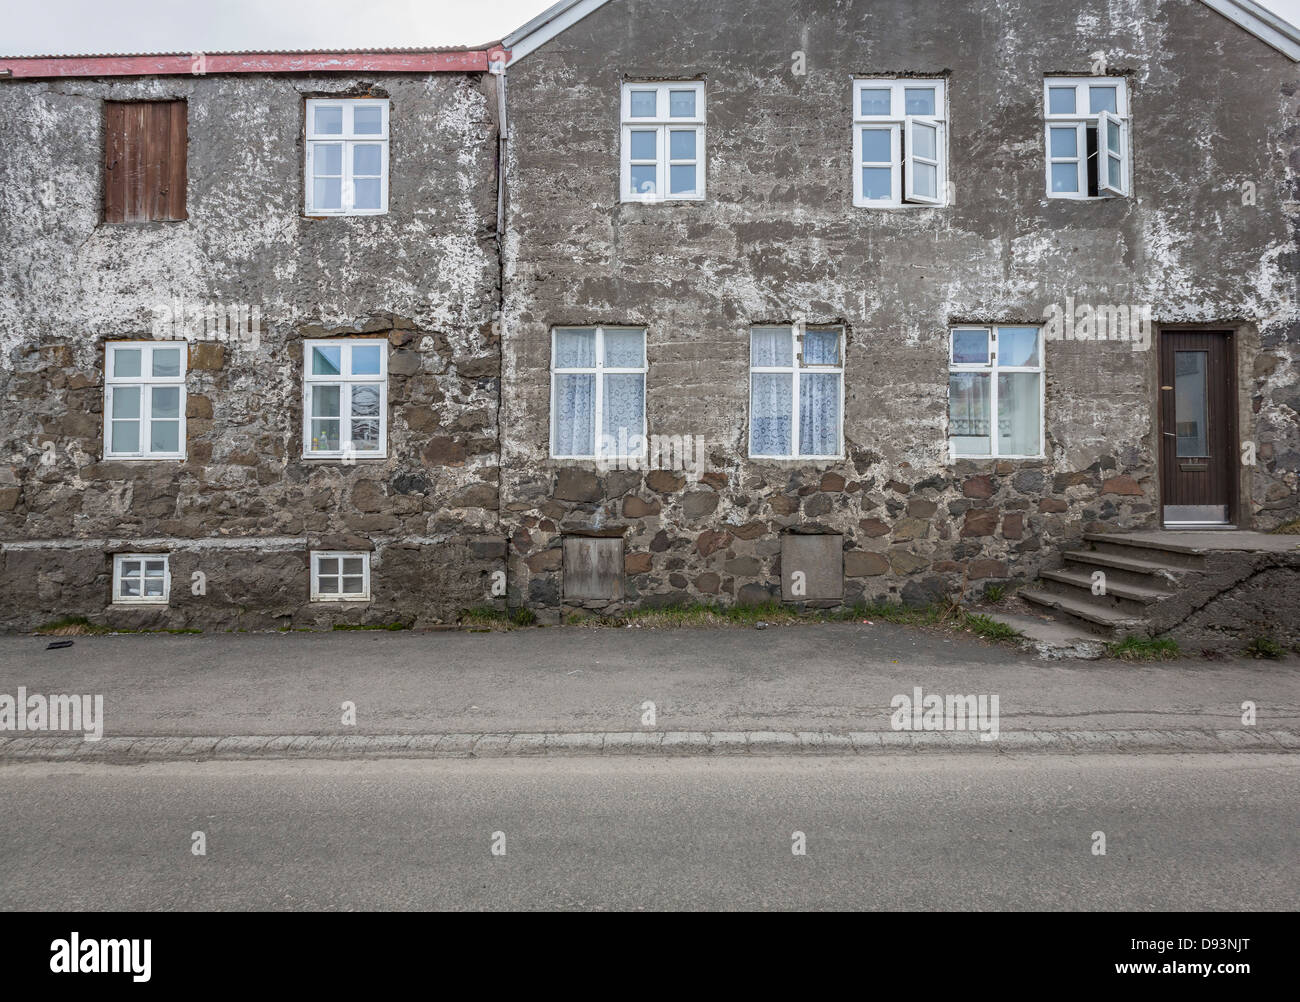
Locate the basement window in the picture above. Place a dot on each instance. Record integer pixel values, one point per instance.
(144, 399)
(663, 142)
(347, 157)
(340, 577)
(345, 399)
(900, 143)
(1087, 123)
(995, 393)
(141, 579)
(796, 392)
(598, 379)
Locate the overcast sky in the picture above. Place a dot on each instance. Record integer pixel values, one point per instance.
(41, 27)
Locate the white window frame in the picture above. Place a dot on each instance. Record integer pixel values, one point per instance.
(993, 367)
(345, 380)
(1081, 119)
(902, 160)
(142, 599)
(348, 139)
(662, 124)
(339, 597)
(600, 370)
(796, 356)
(146, 382)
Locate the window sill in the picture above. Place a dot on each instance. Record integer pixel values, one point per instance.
(142, 604)
(340, 601)
(677, 199)
(796, 459)
(319, 216)
(891, 206)
(343, 460)
(611, 461)
(146, 459)
(996, 459)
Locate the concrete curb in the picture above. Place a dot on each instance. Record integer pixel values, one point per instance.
(129, 750)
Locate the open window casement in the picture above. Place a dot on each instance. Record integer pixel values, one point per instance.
(1112, 150)
(923, 178)
(878, 150)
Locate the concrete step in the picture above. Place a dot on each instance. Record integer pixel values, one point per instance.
(1102, 619)
(1137, 567)
(1142, 595)
(1053, 639)
(1162, 550)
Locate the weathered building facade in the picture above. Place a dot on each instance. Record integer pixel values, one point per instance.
(717, 303)
(778, 232)
(242, 508)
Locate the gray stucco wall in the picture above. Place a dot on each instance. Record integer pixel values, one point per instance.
(778, 237)
(425, 277)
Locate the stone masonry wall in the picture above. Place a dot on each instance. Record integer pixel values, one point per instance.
(778, 239)
(244, 508)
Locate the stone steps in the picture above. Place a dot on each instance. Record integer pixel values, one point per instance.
(1140, 573)
(1123, 596)
(1099, 618)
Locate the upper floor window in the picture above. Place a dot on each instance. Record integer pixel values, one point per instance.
(145, 146)
(663, 142)
(144, 400)
(796, 392)
(995, 392)
(347, 157)
(345, 405)
(1087, 137)
(900, 143)
(598, 393)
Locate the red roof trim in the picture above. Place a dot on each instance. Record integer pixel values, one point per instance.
(269, 62)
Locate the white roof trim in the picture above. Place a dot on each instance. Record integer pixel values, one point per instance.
(1263, 24)
(547, 25)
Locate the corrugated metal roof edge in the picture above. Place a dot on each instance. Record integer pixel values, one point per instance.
(406, 60)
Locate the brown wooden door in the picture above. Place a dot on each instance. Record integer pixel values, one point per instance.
(1198, 439)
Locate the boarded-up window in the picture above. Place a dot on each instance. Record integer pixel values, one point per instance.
(144, 161)
(812, 568)
(593, 569)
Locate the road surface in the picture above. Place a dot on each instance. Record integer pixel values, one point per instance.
(922, 832)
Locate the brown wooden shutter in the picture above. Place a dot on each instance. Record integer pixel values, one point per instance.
(144, 161)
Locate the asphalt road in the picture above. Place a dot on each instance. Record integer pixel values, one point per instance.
(944, 832)
(833, 677)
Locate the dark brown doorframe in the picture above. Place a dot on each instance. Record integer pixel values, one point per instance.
(1199, 451)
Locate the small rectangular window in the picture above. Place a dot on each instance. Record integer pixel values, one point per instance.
(796, 393)
(141, 579)
(145, 146)
(995, 392)
(900, 143)
(1087, 121)
(663, 142)
(340, 577)
(598, 386)
(345, 399)
(144, 399)
(347, 157)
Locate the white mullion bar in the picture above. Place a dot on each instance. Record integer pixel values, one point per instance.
(994, 416)
(794, 395)
(598, 422)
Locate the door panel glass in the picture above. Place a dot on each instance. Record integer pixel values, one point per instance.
(1191, 409)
